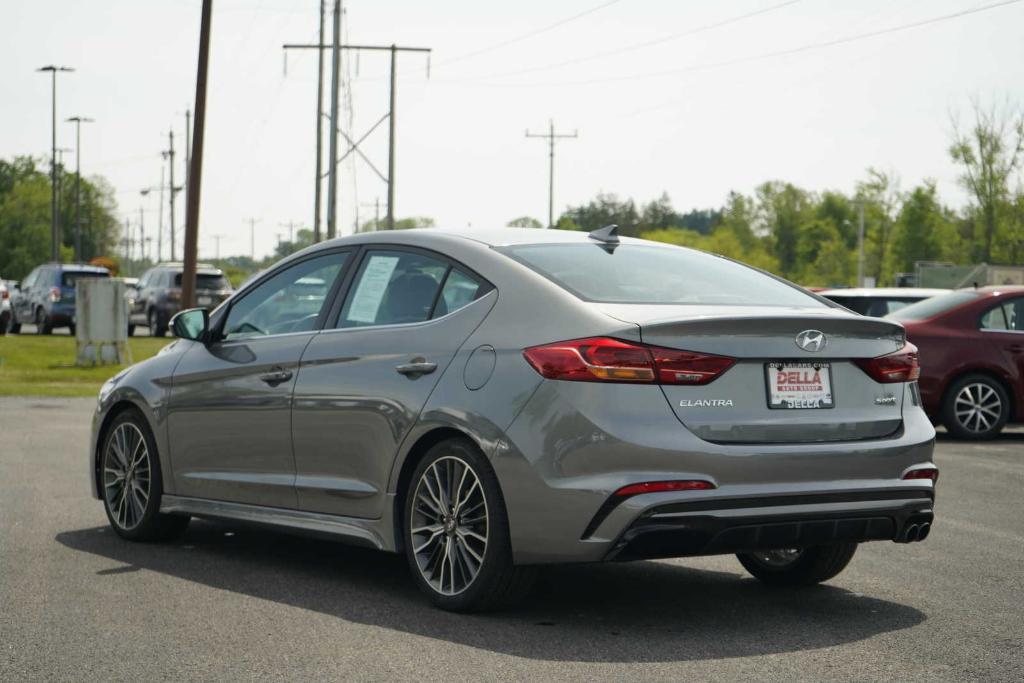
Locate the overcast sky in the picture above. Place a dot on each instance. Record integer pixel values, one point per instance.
(693, 99)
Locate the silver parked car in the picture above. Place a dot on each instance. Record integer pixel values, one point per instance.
(486, 402)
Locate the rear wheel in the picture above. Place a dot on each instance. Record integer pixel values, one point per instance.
(798, 566)
(132, 482)
(5, 322)
(975, 407)
(13, 326)
(456, 532)
(155, 328)
(43, 323)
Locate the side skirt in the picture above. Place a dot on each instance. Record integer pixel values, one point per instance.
(363, 532)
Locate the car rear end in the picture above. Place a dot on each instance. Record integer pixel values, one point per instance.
(212, 289)
(740, 414)
(62, 294)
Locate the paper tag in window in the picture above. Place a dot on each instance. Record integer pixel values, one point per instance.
(372, 286)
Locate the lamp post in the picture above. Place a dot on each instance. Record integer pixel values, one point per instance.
(78, 121)
(54, 233)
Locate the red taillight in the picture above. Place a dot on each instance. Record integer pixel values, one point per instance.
(603, 359)
(661, 486)
(4, 294)
(55, 294)
(901, 366)
(931, 473)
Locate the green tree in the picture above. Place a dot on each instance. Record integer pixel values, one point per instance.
(989, 154)
(921, 230)
(525, 222)
(605, 209)
(782, 209)
(881, 197)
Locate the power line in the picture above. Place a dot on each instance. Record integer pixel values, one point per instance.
(647, 43)
(551, 136)
(529, 34)
(765, 55)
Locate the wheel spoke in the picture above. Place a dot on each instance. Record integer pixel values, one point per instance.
(126, 475)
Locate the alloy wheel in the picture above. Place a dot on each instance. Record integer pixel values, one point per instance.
(449, 525)
(126, 475)
(977, 407)
(783, 557)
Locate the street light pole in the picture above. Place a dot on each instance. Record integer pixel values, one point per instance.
(54, 232)
(78, 121)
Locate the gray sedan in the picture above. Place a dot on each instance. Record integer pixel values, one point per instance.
(487, 402)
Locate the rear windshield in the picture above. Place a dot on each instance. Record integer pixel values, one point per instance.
(68, 278)
(206, 281)
(876, 307)
(638, 274)
(929, 308)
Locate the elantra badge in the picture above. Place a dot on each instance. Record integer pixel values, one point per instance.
(812, 340)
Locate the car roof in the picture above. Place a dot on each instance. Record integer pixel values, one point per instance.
(923, 292)
(81, 267)
(493, 237)
(995, 290)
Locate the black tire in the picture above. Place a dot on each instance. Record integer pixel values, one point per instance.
(13, 326)
(498, 582)
(812, 565)
(979, 425)
(156, 329)
(131, 330)
(43, 322)
(151, 524)
(5, 323)
(71, 330)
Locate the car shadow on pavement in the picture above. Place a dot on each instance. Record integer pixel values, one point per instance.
(635, 612)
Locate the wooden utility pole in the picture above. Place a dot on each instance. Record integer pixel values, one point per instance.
(551, 136)
(188, 278)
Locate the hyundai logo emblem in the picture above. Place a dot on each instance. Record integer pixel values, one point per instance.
(812, 340)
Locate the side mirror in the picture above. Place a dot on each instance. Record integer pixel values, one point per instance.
(192, 324)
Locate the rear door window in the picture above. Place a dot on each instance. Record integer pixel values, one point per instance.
(393, 288)
(1007, 316)
(69, 277)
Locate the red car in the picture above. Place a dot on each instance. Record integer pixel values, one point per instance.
(971, 344)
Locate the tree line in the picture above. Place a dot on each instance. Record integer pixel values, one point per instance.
(812, 237)
(25, 216)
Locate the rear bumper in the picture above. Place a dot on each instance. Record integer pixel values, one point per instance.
(686, 529)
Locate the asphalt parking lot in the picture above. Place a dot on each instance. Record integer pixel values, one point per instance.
(231, 603)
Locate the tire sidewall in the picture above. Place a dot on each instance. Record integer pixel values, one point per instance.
(156, 488)
(498, 553)
(950, 420)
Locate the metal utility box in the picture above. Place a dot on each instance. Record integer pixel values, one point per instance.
(101, 322)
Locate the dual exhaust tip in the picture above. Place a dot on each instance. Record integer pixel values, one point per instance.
(916, 532)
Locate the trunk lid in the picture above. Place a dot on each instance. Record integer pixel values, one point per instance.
(734, 408)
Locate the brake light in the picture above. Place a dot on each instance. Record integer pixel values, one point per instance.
(603, 359)
(931, 473)
(173, 294)
(901, 366)
(661, 486)
(55, 294)
(4, 294)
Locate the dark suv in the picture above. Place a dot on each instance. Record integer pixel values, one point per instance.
(157, 296)
(47, 296)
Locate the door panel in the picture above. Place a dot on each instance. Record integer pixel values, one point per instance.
(231, 401)
(353, 405)
(229, 420)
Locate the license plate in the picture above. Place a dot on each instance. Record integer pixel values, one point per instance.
(799, 386)
(205, 301)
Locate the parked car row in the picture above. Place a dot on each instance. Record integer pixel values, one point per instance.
(46, 297)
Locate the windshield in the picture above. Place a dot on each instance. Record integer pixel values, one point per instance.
(206, 281)
(929, 308)
(69, 277)
(639, 274)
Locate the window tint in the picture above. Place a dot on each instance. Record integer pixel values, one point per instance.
(459, 289)
(206, 281)
(996, 318)
(640, 274)
(1006, 316)
(393, 287)
(69, 277)
(930, 308)
(290, 301)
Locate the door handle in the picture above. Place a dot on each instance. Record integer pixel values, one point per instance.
(276, 377)
(415, 368)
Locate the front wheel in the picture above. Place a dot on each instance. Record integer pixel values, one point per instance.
(155, 328)
(456, 533)
(43, 323)
(798, 566)
(975, 407)
(132, 482)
